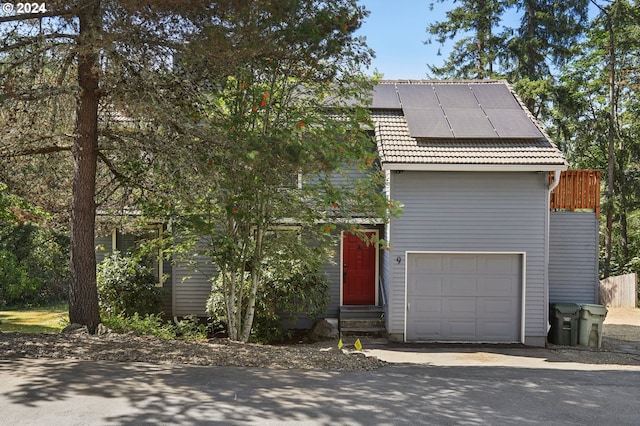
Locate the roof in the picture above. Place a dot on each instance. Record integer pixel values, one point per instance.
(465, 125)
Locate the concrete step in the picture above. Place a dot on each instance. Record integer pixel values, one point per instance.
(361, 312)
(373, 332)
(361, 323)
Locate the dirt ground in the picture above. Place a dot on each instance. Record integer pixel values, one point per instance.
(620, 346)
(622, 327)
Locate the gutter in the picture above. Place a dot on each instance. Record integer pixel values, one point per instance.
(556, 180)
(446, 167)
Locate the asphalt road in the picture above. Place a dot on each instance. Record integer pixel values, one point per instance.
(59, 392)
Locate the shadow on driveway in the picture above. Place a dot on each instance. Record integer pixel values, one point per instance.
(88, 392)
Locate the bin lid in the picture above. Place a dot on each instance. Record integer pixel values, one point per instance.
(566, 308)
(594, 309)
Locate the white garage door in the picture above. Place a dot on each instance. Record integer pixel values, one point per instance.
(464, 297)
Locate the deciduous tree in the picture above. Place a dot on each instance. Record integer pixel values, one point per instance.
(294, 158)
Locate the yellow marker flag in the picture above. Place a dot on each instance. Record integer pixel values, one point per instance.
(340, 344)
(357, 345)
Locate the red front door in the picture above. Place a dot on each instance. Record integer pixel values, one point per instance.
(358, 271)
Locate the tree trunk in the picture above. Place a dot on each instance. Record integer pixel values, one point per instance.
(83, 292)
(611, 153)
(255, 282)
(531, 53)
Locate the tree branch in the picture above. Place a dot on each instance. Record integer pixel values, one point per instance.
(111, 167)
(36, 151)
(33, 40)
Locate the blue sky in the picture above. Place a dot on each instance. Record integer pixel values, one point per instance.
(396, 31)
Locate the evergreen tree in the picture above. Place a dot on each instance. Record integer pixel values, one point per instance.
(595, 117)
(474, 55)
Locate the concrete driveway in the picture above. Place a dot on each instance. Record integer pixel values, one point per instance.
(66, 392)
(621, 334)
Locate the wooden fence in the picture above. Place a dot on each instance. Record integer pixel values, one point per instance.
(577, 190)
(619, 292)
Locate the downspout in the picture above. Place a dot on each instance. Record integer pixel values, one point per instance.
(556, 180)
(552, 186)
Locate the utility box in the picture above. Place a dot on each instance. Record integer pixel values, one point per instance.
(564, 323)
(591, 320)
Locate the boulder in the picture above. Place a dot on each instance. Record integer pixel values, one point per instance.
(324, 329)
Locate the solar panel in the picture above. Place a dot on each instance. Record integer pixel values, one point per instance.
(510, 123)
(492, 96)
(472, 111)
(427, 123)
(456, 96)
(470, 123)
(417, 96)
(385, 97)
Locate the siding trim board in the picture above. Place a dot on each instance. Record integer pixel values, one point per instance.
(523, 283)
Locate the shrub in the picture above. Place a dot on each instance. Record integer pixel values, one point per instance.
(190, 328)
(287, 292)
(150, 324)
(16, 287)
(43, 256)
(126, 286)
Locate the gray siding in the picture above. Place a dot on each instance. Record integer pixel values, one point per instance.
(333, 275)
(103, 247)
(191, 287)
(573, 257)
(471, 212)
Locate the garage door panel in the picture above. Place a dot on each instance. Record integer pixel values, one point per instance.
(459, 285)
(464, 297)
(462, 264)
(497, 286)
(500, 262)
(497, 331)
(426, 286)
(426, 264)
(459, 307)
(488, 307)
(460, 330)
(426, 308)
(427, 330)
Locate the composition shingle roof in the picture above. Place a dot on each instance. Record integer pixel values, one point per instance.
(497, 141)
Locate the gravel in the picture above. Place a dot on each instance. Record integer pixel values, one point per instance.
(216, 352)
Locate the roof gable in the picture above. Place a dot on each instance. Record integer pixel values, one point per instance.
(460, 123)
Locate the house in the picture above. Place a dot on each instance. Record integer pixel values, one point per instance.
(477, 254)
(472, 253)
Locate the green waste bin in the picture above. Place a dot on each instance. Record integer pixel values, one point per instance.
(591, 320)
(564, 323)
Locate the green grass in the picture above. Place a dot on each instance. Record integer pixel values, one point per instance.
(50, 319)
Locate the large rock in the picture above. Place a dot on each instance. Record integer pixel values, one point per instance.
(325, 329)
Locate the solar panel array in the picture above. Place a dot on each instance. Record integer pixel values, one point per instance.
(458, 110)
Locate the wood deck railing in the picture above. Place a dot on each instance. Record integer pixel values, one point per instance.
(577, 190)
